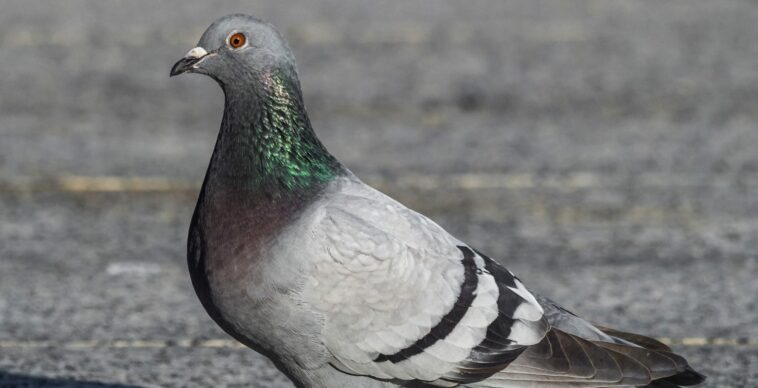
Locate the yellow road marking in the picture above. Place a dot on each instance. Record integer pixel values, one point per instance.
(464, 181)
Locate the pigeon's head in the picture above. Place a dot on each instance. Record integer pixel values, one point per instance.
(236, 50)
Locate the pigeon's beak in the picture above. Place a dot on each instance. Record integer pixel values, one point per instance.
(189, 62)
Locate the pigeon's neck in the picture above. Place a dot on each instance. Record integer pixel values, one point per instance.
(266, 144)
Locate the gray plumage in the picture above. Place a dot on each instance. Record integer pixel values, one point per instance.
(340, 285)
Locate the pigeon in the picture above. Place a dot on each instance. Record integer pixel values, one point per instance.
(342, 286)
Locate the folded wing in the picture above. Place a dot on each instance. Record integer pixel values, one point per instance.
(404, 300)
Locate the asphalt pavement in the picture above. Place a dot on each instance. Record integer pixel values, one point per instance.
(604, 151)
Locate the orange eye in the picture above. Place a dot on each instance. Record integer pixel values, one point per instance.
(237, 40)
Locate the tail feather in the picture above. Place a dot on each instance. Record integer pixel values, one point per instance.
(686, 376)
(641, 340)
(567, 360)
(616, 358)
(582, 366)
(658, 364)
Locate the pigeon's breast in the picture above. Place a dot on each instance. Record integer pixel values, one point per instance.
(247, 282)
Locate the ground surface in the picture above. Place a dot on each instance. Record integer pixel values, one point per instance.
(604, 151)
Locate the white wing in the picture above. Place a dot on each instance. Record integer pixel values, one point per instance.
(403, 299)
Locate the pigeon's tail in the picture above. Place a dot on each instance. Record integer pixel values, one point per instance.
(567, 360)
(685, 378)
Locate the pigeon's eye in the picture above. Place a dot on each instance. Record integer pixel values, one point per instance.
(237, 40)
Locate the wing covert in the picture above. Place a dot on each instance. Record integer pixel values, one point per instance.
(404, 300)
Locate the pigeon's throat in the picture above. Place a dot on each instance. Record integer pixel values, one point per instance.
(267, 142)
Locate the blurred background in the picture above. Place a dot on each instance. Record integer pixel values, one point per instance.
(605, 151)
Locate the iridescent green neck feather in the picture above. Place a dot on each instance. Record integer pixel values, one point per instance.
(266, 142)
